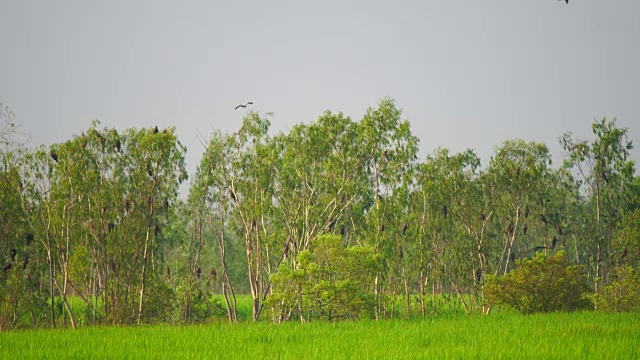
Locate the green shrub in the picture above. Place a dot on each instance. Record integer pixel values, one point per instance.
(332, 282)
(541, 284)
(624, 292)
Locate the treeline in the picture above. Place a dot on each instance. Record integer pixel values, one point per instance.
(330, 220)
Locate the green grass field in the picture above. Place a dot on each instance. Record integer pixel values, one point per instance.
(583, 335)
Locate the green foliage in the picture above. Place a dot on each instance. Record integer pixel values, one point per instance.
(541, 284)
(583, 335)
(623, 294)
(331, 283)
(333, 219)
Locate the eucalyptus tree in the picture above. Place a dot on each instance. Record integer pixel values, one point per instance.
(209, 201)
(388, 155)
(155, 169)
(235, 181)
(446, 199)
(319, 182)
(515, 178)
(19, 292)
(37, 174)
(606, 173)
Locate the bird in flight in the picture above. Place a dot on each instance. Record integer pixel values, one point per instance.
(243, 105)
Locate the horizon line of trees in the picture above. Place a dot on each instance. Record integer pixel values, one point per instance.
(333, 219)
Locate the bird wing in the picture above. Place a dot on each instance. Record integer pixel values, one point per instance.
(240, 106)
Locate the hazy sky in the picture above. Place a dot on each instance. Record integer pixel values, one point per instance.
(468, 73)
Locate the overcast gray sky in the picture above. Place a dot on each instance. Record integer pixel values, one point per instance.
(468, 73)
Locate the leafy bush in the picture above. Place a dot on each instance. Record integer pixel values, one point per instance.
(623, 294)
(541, 284)
(332, 282)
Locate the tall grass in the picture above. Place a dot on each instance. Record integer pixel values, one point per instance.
(498, 336)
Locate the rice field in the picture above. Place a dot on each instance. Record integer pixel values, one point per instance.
(583, 335)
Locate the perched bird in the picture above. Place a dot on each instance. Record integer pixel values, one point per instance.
(483, 217)
(29, 239)
(624, 254)
(165, 204)
(243, 105)
(543, 219)
(342, 228)
(254, 224)
(13, 254)
(198, 272)
(25, 262)
(512, 257)
(155, 130)
(525, 228)
(405, 228)
(233, 196)
(381, 227)
(526, 212)
(156, 230)
(213, 274)
(553, 243)
(7, 267)
(111, 226)
(445, 211)
(54, 156)
(332, 224)
(118, 145)
(127, 205)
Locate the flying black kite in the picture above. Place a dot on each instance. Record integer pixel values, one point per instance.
(243, 105)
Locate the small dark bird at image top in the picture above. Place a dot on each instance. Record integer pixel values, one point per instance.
(243, 105)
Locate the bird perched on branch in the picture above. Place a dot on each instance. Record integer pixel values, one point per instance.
(543, 219)
(243, 105)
